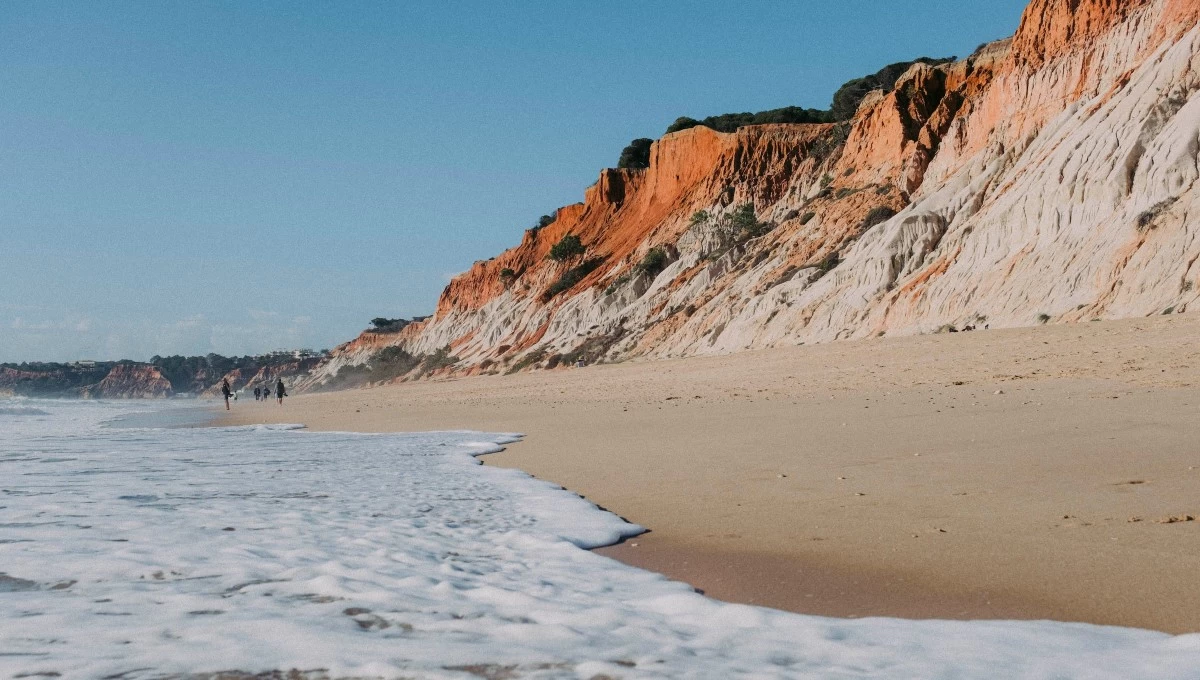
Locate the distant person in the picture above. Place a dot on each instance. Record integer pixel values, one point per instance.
(280, 392)
(257, 394)
(226, 391)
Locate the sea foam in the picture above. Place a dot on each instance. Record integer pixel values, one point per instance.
(141, 553)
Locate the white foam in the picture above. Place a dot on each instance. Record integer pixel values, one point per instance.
(387, 555)
(21, 411)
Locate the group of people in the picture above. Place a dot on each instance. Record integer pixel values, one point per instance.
(260, 393)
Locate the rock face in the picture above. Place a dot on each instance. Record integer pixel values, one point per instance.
(129, 381)
(58, 380)
(137, 380)
(1049, 177)
(265, 377)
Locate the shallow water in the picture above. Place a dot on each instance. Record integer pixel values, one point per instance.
(141, 553)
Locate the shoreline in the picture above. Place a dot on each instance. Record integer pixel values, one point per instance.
(1009, 474)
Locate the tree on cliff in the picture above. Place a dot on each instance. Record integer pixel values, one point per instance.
(849, 96)
(636, 155)
(385, 325)
(729, 122)
(567, 249)
(844, 106)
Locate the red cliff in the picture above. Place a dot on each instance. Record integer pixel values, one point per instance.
(130, 381)
(1049, 176)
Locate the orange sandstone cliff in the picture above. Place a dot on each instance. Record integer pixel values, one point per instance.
(129, 381)
(1048, 177)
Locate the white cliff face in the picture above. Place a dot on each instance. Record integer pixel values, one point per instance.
(1033, 190)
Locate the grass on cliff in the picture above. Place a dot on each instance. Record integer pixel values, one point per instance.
(741, 224)
(654, 262)
(1148, 219)
(526, 361)
(389, 363)
(571, 278)
(876, 217)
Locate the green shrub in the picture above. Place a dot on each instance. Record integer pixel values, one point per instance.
(507, 275)
(682, 123)
(830, 142)
(568, 248)
(1147, 220)
(828, 263)
(571, 277)
(528, 360)
(742, 223)
(383, 325)
(730, 122)
(654, 262)
(439, 359)
(877, 216)
(636, 155)
(1043, 318)
(807, 217)
(617, 283)
(593, 349)
(391, 362)
(545, 221)
(848, 97)
(745, 223)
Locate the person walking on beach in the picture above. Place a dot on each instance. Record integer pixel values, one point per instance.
(280, 393)
(226, 391)
(257, 393)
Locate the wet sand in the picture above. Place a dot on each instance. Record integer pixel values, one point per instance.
(1025, 473)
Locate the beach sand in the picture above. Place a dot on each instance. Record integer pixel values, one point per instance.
(1025, 473)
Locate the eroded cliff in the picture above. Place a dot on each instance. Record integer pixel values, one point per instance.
(1049, 177)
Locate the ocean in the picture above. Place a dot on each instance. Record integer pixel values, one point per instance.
(136, 552)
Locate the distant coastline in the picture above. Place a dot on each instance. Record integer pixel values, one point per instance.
(160, 378)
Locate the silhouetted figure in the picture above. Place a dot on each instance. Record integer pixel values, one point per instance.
(257, 393)
(280, 393)
(226, 391)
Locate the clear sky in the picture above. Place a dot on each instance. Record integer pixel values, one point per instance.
(237, 177)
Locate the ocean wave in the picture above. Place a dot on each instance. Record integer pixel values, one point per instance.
(22, 411)
(151, 553)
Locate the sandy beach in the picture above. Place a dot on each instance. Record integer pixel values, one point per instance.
(1041, 473)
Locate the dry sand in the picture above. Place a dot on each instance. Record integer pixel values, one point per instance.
(996, 474)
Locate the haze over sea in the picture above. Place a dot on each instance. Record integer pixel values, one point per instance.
(142, 553)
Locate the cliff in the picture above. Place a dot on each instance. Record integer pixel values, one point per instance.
(129, 381)
(162, 377)
(1049, 177)
(264, 376)
(92, 380)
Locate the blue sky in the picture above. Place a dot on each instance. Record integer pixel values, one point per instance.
(237, 177)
